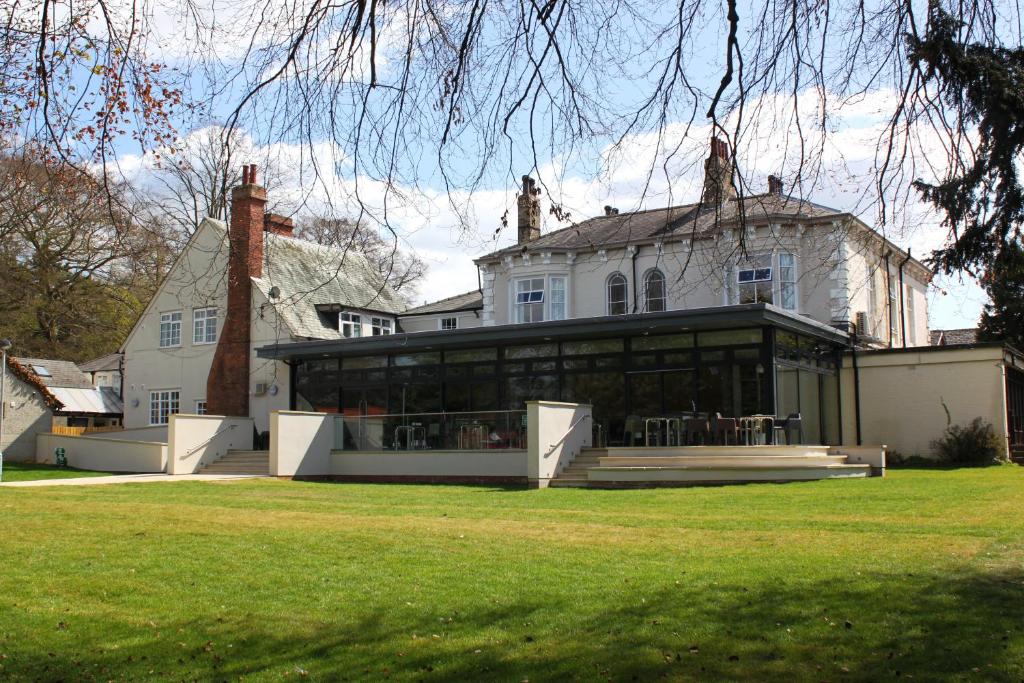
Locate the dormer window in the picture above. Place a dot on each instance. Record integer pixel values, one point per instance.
(381, 326)
(350, 325)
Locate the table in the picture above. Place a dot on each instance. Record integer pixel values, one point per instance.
(755, 428)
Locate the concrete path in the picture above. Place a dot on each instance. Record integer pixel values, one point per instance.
(129, 479)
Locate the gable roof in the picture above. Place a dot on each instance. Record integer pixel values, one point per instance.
(308, 275)
(965, 335)
(470, 301)
(31, 379)
(111, 361)
(62, 373)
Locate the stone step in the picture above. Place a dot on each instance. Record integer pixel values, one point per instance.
(724, 461)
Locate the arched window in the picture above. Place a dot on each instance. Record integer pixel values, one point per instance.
(617, 294)
(654, 291)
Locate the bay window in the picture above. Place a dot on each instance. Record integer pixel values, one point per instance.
(529, 301)
(536, 299)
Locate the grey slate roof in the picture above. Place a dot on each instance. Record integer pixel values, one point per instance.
(62, 373)
(111, 361)
(308, 275)
(968, 335)
(470, 301)
(670, 223)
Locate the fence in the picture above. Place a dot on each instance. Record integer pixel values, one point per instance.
(455, 431)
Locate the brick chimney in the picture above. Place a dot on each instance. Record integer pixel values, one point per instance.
(227, 387)
(279, 225)
(718, 175)
(774, 185)
(529, 211)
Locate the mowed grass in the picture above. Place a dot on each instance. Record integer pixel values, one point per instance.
(918, 574)
(30, 471)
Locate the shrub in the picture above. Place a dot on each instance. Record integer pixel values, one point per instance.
(973, 444)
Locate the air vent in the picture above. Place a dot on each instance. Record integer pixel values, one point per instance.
(862, 323)
(261, 389)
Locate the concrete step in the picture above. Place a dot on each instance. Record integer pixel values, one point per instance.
(240, 462)
(724, 461)
(721, 474)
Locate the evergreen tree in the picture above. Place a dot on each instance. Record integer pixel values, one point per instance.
(1003, 317)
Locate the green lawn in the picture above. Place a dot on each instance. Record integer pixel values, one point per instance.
(918, 574)
(30, 471)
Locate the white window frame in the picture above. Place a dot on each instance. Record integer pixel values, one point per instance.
(527, 286)
(171, 322)
(910, 322)
(200, 406)
(381, 327)
(872, 302)
(162, 404)
(787, 281)
(894, 309)
(647, 294)
(350, 325)
(558, 297)
(759, 274)
(614, 279)
(202, 320)
(449, 323)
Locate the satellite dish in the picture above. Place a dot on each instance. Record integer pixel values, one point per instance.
(275, 292)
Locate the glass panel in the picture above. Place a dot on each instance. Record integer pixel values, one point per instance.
(470, 355)
(610, 362)
(706, 356)
(715, 390)
(645, 393)
(485, 396)
(457, 396)
(810, 406)
(749, 389)
(416, 398)
(576, 364)
(484, 370)
(518, 390)
(679, 390)
(581, 348)
(730, 337)
(787, 401)
(663, 341)
(830, 404)
(363, 362)
(426, 358)
(642, 360)
(531, 351)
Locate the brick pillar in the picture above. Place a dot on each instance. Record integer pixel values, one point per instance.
(227, 387)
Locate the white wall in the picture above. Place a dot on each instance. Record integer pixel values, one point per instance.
(432, 322)
(197, 280)
(103, 454)
(25, 416)
(441, 465)
(902, 395)
(198, 440)
(157, 433)
(300, 443)
(830, 273)
(556, 434)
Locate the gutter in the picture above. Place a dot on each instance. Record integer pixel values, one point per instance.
(636, 253)
(903, 317)
(888, 291)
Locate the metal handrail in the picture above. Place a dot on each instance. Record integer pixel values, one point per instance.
(212, 437)
(574, 425)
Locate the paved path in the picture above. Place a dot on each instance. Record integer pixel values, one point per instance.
(130, 479)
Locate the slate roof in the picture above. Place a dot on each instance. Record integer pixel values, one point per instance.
(111, 361)
(470, 301)
(62, 373)
(687, 221)
(308, 275)
(968, 335)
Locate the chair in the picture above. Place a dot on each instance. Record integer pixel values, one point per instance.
(723, 428)
(792, 423)
(696, 430)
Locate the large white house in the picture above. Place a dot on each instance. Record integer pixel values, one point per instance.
(734, 306)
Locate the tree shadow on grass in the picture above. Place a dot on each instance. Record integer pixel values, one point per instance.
(961, 625)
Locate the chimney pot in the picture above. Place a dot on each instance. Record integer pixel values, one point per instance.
(279, 225)
(718, 175)
(774, 185)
